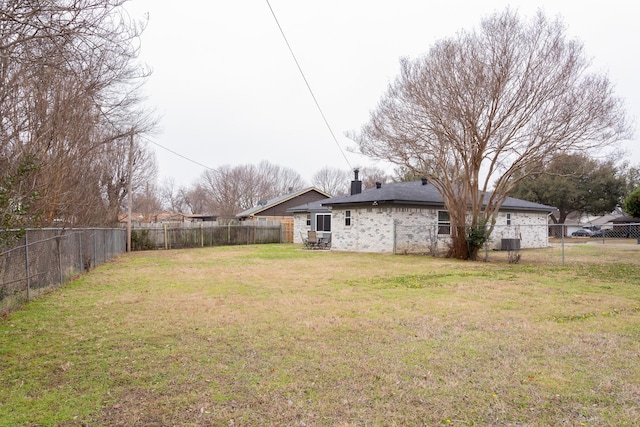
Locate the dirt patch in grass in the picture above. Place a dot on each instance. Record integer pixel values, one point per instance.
(273, 335)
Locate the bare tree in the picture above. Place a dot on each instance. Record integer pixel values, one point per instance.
(278, 180)
(68, 87)
(147, 202)
(332, 181)
(112, 165)
(481, 106)
(222, 188)
(234, 189)
(196, 200)
(371, 175)
(172, 196)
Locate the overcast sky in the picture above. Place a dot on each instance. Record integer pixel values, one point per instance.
(228, 91)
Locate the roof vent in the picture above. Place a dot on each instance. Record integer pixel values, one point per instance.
(262, 202)
(424, 181)
(378, 184)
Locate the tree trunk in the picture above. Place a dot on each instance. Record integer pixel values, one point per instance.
(459, 248)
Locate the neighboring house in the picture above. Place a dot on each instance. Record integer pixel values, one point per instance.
(409, 217)
(167, 218)
(277, 209)
(575, 221)
(626, 226)
(201, 217)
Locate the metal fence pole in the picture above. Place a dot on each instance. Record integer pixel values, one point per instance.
(486, 251)
(95, 250)
(58, 243)
(26, 253)
(562, 234)
(80, 249)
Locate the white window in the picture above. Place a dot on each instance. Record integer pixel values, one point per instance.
(347, 218)
(444, 222)
(508, 219)
(308, 220)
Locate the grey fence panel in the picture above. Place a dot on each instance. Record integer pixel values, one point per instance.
(171, 237)
(13, 277)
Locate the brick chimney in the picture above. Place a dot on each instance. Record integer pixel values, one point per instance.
(356, 184)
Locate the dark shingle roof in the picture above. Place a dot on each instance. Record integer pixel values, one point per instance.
(310, 207)
(415, 193)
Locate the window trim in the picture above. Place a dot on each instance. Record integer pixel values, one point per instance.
(347, 218)
(323, 222)
(444, 225)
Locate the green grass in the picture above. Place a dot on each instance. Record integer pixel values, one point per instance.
(276, 335)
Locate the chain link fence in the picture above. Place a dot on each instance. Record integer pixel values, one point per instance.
(531, 242)
(41, 259)
(34, 261)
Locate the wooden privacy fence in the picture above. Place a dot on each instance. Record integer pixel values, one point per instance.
(177, 237)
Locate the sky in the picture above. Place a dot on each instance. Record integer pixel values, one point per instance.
(227, 90)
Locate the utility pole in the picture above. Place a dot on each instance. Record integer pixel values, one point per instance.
(129, 186)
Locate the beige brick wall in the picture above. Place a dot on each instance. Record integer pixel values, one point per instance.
(412, 230)
(383, 229)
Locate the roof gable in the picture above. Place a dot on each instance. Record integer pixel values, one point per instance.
(269, 204)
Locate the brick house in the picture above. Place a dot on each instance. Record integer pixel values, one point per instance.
(408, 217)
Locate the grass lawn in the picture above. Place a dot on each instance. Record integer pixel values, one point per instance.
(276, 335)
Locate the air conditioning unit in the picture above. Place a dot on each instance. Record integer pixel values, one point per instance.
(510, 245)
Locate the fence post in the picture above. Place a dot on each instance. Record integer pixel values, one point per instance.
(562, 233)
(58, 242)
(201, 235)
(80, 246)
(26, 253)
(486, 250)
(95, 250)
(166, 237)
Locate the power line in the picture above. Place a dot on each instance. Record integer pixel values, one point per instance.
(179, 155)
(326, 122)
